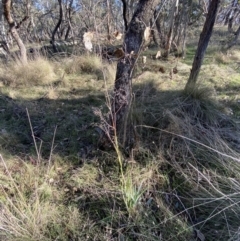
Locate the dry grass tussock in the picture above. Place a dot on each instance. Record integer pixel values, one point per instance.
(83, 64)
(90, 65)
(203, 152)
(199, 148)
(36, 212)
(39, 71)
(226, 57)
(222, 58)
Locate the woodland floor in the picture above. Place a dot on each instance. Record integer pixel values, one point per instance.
(181, 181)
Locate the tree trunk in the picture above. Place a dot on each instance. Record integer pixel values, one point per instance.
(186, 20)
(3, 32)
(7, 13)
(230, 15)
(69, 19)
(109, 29)
(234, 41)
(202, 45)
(122, 96)
(57, 26)
(160, 38)
(161, 43)
(170, 32)
(125, 14)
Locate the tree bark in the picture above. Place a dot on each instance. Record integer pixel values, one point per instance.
(12, 29)
(57, 26)
(160, 38)
(202, 45)
(234, 41)
(170, 32)
(109, 29)
(3, 32)
(230, 15)
(125, 14)
(186, 20)
(122, 97)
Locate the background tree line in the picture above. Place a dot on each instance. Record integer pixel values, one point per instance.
(38, 21)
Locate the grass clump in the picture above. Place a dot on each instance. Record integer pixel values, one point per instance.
(90, 66)
(222, 58)
(87, 64)
(204, 166)
(38, 71)
(32, 205)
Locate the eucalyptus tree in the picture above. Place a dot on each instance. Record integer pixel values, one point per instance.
(60, 19)
(13, 30)
(173, 21)
(234, 40)
(174, 10)
(202, 45)
(233, 12)
(69, 13)
(233, 17)
(122, 97)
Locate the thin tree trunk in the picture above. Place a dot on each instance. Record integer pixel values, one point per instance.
(170, 32)
(159, 29)
(108, 20)
(69, 17)
(7, 13)
(186, 20)
(122, 97)
(58, 25)
(234, 41)
(202, 45)
(231, 15)
(2, 29)
(125, 14)
(157, 21)
(153, 34)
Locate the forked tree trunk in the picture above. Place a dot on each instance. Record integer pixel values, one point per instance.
(202, 45)
(12, 29)
(122, 96)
